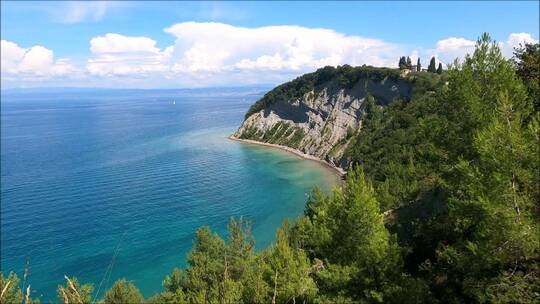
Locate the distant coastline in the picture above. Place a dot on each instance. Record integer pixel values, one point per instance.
(337, 170)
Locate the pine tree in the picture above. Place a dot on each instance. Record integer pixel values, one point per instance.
(240, 246)
(360, 231)
(239, 254)
(431, 67)
(175, 281)
(527, 62)
(418, 65)
(123, 292)
(206, 261)
(174, 285)
(347, 230)
(490, 187)
(255, 288)
(289, 271)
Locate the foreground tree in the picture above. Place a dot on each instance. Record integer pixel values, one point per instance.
(174, 285)
(491, 186)
(527, 62)
(355, 257)
(289, 271)
(123, 292)
(9, 289)
(205, 267)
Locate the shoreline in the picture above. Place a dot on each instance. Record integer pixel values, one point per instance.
(337, 170)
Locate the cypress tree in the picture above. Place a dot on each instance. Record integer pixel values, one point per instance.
(439, 69)
(418, 65)
(409, 63)
(431, 67)
(402, 63)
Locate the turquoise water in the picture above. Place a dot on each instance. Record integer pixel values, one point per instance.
(93, 181)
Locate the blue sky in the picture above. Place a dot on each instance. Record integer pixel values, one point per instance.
(184, 44)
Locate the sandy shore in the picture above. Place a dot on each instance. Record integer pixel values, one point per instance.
(339, 171)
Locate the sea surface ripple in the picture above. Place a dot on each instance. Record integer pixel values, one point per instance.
(121, 180)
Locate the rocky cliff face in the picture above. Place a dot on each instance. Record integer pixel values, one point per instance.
(322, 121)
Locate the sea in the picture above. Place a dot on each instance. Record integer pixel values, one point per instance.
(106, 184)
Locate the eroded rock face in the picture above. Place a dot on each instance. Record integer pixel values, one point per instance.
(321, 122)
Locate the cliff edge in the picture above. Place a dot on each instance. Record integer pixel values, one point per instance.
(318, 113)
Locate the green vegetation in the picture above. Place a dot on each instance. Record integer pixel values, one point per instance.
(527, 63)
(405, 63)
(346, 76)
(440, 206)
(282, 133)
(72, 292)
(123, 292)
(431, 67)
(296, 138)
(9, 288)
(468, 155)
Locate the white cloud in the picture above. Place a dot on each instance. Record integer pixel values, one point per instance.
(115, 54)
(218, 47)
(36, 61)
(115, 43)
(451, 48)
(457, 47)
(216, 54)
(12, 55)
(212, 53)
(514, 40)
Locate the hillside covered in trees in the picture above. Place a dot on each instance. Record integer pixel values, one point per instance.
(320, 113)
(441, 205)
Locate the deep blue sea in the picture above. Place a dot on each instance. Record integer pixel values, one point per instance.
(108, 184)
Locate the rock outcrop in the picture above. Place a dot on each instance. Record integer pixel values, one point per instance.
(322, 121)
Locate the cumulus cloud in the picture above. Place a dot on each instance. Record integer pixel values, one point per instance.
(36, 61)
(115, 54)
(454, 47)
(457, 47)
(211, 46)
(514, 40)
(210, 53)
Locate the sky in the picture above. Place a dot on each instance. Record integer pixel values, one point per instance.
(213, 44)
